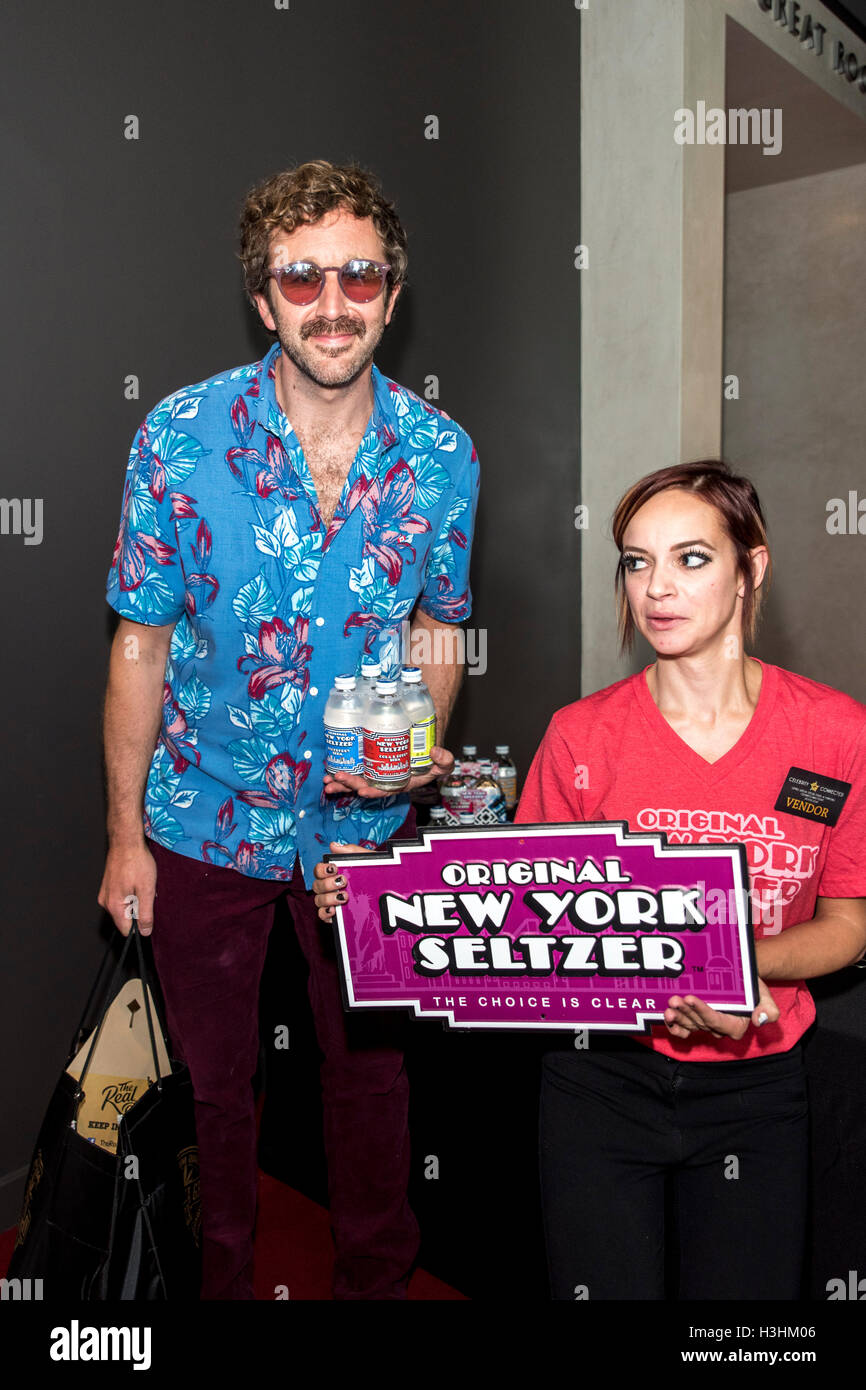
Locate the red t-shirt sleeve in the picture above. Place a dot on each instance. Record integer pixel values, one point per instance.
(549, 793)
(844, 874)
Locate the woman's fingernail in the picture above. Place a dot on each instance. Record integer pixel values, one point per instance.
(340, 882)
(330, 869)
(341, 897)
(762, 1018)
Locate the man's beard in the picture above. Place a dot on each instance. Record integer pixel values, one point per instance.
(311, 365)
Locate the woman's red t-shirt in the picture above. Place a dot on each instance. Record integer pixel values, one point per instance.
(613, 756)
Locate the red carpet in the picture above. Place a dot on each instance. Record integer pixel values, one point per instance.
(293, 1248)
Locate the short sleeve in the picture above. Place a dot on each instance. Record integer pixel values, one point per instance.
(446, 595)
(844, 872)
(146, 581)
(550, 795)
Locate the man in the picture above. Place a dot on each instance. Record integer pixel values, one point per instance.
(279, 522)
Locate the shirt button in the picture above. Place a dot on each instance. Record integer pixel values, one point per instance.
(320, 622)
(307, 753)
(314, 690)
(301, 815)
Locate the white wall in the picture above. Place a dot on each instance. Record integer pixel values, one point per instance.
(639, 64)
(652, 336)
(795, 334)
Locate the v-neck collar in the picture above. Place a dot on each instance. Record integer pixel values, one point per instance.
(710, 773)
(380, 437)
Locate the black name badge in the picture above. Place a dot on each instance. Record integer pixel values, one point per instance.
(812, 796)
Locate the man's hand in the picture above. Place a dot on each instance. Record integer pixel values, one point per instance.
(128, 887)
(339, 783)
(329, 885)
(689, 1015)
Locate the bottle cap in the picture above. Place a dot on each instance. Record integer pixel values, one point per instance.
(386, 687)
(371, 668)
(469, 750)
(467, 818)
(410, 674)
(345, 683)
(502, 748)
(485, 765)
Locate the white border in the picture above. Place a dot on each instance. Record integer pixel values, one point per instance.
(395, 851)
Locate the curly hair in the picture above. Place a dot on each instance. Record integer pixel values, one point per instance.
(739, 508)
(304, 195)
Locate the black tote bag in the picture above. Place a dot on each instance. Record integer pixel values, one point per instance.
(126, 1225)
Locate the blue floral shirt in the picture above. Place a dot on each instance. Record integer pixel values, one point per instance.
(221, 534)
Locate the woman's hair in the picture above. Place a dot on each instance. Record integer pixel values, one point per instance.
(304, 195)
(739, 508)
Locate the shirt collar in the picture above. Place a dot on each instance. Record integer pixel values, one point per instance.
(385, 419)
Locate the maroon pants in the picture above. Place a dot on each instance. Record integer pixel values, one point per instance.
(211, 927)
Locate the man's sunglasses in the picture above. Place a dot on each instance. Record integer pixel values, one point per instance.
(303, 281)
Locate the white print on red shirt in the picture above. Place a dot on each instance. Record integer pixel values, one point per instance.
(777, 867)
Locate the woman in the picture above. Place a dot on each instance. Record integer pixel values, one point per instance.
(714, 1102)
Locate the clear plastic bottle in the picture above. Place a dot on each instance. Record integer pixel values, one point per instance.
(387, 755)
(370, 672)
(418, 704)
(488, 803)
(469, 760)
(506, 775)
(453, 791)
(343, 719)
(471, 767)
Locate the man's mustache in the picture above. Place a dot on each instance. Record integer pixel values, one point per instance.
(332, 327)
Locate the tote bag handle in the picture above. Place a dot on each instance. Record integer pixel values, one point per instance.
(133, 935)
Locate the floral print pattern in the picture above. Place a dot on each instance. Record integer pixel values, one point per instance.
(221, 535)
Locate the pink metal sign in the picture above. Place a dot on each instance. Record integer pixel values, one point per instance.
(546, 926)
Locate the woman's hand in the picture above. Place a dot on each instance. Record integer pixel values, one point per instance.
(689, 1015)
(329, 885)
(339, 783)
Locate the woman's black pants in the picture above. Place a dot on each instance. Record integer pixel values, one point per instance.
(623, 1128)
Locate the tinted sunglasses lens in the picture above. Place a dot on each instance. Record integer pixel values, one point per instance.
(300, 283)
(362, 280)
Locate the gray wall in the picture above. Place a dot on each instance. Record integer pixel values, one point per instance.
(119, 258)
(795, 335)
(653, 296)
